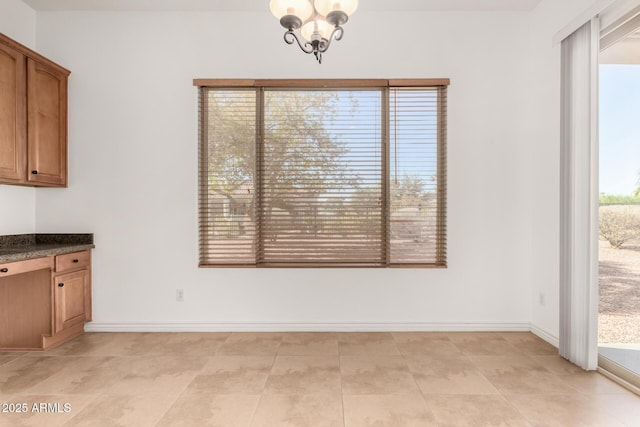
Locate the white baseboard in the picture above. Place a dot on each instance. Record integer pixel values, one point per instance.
(305, 327)
(550, 338)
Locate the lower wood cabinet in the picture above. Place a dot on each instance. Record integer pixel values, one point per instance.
(25, 309)
(44, 301)
(69, 299)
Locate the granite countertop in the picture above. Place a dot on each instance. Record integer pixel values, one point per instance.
(19, 247)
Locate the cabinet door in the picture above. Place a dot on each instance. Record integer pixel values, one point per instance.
(13, 116)
(25, 309)
(69, 299)
(47, 125)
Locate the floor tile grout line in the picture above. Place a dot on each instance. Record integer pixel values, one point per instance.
(420, 391)
(264, 387)
(515, 408)
(85, 407)
(178, 395)
(406, 362)
(344, 416)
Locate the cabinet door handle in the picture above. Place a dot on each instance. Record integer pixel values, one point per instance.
(60, 285)
(4, 270)
(76, 260)
(34, 172)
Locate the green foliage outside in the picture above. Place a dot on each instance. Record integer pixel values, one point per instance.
(619, 217)
(618, 199)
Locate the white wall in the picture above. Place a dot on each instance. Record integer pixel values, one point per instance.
(133, 166)
(18, 21)
(543, 133)
(17, 204)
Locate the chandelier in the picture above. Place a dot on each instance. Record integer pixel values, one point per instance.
(313, 23)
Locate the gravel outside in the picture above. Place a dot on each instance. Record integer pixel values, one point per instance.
(619, 311)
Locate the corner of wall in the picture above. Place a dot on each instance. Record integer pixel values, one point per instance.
(18, 204)
(545, 335)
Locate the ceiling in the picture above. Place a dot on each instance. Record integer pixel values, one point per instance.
(259, 5)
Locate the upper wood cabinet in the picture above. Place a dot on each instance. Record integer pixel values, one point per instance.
(33, 117)
(13, 115)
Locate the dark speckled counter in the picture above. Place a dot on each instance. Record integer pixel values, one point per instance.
(19, 247)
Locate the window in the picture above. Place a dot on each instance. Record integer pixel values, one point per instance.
(328, 173)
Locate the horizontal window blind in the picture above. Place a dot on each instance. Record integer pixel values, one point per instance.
(315, 175)
(417, 178)
(227, 195)
(321, 186)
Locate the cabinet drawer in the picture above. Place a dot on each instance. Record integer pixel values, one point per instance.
(73, 261)
(18, 267)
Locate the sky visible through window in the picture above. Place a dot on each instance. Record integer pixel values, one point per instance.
(417, 131)
(619, 128)
(417, 127)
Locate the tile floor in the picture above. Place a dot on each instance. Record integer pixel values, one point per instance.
(307, 379)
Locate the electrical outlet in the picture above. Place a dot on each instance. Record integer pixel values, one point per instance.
(179, 295)
(541, 299)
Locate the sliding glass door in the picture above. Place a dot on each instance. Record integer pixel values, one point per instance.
(619, 211)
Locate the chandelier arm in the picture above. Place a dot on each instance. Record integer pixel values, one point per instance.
(339, 32)
(290, 37)
(336, 34)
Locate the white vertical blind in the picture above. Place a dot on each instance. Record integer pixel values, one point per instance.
(579, 198)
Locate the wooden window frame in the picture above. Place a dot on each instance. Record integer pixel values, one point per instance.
(441, 193)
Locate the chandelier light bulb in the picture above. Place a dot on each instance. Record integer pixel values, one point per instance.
(313, 24)
(300, 8)
(325, 6)
(323, 28)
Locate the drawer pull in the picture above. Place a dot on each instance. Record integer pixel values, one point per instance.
(34, 172)
(4, 270)
(76, 260)
(60, 285)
